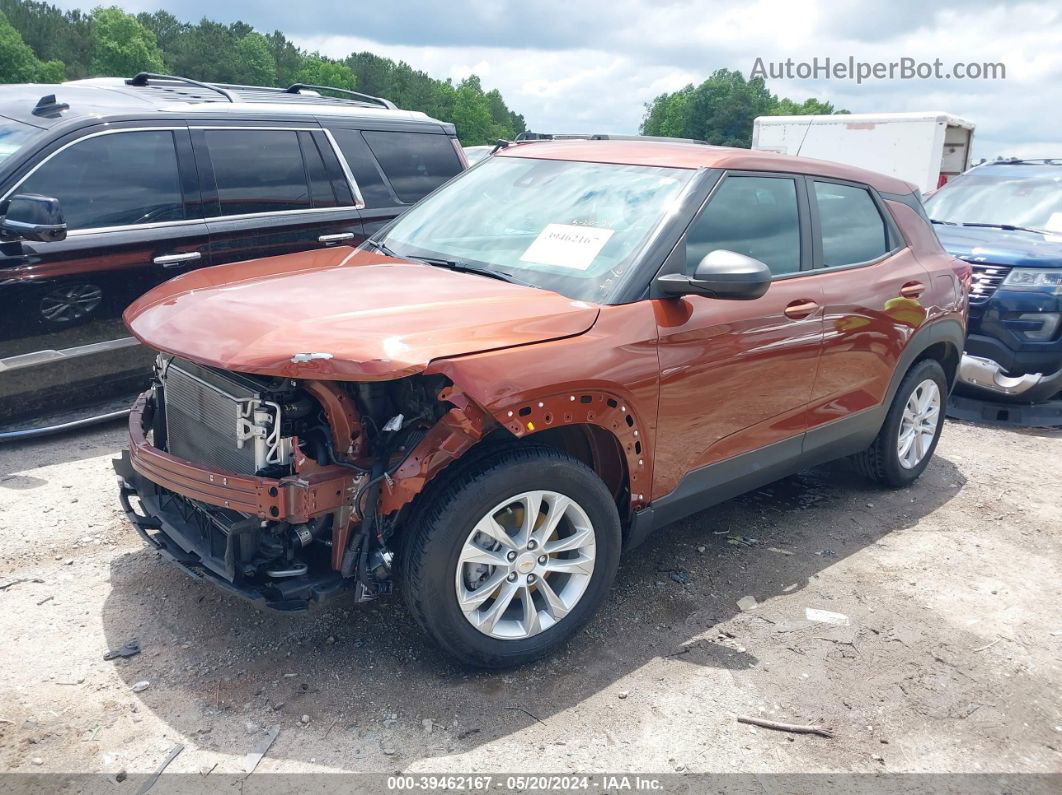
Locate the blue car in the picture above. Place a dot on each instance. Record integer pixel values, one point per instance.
(1005, 219)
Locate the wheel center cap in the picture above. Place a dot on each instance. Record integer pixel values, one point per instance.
(526, 563)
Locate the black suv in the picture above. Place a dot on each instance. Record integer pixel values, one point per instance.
(109, 187)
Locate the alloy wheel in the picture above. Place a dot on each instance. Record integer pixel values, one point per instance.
(70, 302)
(525, 565)
(919, 424)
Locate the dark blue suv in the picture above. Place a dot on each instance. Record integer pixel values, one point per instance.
(1005, 219)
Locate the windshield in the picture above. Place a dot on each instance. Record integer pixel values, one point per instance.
(13, 135)
(571, 227)
(1016, 198)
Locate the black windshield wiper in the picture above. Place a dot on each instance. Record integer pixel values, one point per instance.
(454, 265)
(464, 267)
(382, 248)
(1010, 228)
(938, 221)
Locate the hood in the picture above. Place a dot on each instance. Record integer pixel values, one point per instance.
(1001, 246)
(363, 316)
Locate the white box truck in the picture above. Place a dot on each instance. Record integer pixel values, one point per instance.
(925, 149)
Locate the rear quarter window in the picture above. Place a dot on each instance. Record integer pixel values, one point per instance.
(414, 163)
(853, 230)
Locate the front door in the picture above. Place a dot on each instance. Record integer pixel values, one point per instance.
(736, 376)
(130, 209)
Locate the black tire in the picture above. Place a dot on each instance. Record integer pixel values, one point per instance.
(440, 526)
(881, 461)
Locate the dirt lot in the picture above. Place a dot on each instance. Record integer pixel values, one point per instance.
(951, 660)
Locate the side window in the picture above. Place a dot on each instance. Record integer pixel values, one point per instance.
(754, 216)
(414, 163)
(321, 191)
(853, 230)
(363, 166)
(117, 179)
(258, 171)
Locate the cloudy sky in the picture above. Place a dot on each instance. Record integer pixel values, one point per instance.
(590, 65)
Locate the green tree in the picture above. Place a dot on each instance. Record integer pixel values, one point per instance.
(472, 113)
(809, 107)
(318, 71)
(121, 45)
(18, 64)
(205, 51)
(255, 65)
(52, 34)
(108, 42)
(721, 110)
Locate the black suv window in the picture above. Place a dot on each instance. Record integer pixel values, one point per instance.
(116, 179)
(258, 171)
(853, 230)
(414, 163)
(754, 216)
(362, 164)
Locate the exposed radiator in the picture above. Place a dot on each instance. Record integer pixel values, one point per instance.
(202, 414)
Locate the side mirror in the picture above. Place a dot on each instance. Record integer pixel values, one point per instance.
(33, 217)
(721, 274)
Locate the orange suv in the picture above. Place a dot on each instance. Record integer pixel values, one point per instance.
(556, 353)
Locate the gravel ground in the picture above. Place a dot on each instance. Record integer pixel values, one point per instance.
(951, 660)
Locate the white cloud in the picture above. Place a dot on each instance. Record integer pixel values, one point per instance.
(593, 64)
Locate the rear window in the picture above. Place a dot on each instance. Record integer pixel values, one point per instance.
(414, 163)
(374, 190)
(258, 171)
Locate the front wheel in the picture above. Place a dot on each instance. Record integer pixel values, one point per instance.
(909, 436)
(511, 556)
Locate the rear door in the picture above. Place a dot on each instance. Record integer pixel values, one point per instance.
(273, 190)
(395, 169)
(132, 208)
(872, 286)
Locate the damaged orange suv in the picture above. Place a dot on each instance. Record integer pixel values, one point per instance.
(559, 351)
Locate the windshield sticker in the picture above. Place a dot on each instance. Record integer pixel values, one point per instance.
(567, 246)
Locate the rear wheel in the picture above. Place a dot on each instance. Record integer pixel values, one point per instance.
(909, 436)
(512, 556)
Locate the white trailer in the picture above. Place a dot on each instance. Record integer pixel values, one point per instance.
(926, 149)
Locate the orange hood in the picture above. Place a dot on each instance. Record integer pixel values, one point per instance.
(366, 316)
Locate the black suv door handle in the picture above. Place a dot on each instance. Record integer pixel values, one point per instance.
(336, 238)
(177, 260)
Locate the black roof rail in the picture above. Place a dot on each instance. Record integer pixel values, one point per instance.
(141, 79)
(1047, 161)
(48, 105)
(526, 137)
(296, 88)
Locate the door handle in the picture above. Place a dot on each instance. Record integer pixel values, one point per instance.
(912, 289)
(796, 310)
(176, 260)
(336, 238)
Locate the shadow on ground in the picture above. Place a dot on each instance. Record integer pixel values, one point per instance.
(352, 665)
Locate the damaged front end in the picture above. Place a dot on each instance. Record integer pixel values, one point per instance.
(286, 491)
